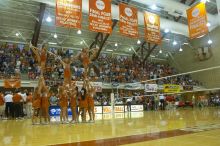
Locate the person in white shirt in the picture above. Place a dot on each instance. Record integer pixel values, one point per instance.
(128, 101)
(162, 101)
(8, 104)
(23, 103)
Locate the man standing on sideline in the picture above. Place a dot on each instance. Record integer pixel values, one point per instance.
(2, 102)
(8, 105)
(162, 101)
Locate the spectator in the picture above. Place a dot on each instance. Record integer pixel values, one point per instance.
(1, 105)
(8, 105)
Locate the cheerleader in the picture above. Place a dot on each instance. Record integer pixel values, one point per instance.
(41, 56)
(73, 104)
(45, 104)
(63, 102)
(83, 105)
(90, 99)
(36, 106)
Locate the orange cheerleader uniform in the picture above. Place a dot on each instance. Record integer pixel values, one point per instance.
(86, 61)
(43, 56)
(67, 72)
(90, 101)
(63, 101)
(73, 102)
(36, 103)
(45, 102)
(83, 103)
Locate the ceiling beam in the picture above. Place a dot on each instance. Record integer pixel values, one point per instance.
(38, 25)
(192, 2)
(102, 43)
(183, 1)
(149, 51)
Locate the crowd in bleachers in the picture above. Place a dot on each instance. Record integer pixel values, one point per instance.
(18, 60)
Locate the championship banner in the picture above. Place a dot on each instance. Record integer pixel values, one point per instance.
(128, 20)
(152, 28)
(197, 21)
(150, 87)
(171, 88)
(100, 19)
(96, 85)
(12, 83)
(69, 13)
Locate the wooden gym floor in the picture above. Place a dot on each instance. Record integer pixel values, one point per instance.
(183, 127)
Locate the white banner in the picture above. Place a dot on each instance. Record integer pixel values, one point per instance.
(137, 108)
(150, 87)
(96, 85)
(119, 109)
(98, 109)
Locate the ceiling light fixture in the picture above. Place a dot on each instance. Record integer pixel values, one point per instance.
(138, 42)
(116, 44)
(154, 7)
(210, 42)
(166, 30)
(160, 51)
(49, 19)
(17, 34)
(174, 43)
(79, 32)
(180, 49)
(55, 35)
(208, 24)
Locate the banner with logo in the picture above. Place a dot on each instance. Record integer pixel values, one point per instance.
(137, 108)
(128, 20)
(69, 13)
(119, 109)
(107, 109)
(150, 87)
(171, 88)
(100, 19)
(96, 85)
(197, 21)
(152, 28)
(133, 86)
(12, 83)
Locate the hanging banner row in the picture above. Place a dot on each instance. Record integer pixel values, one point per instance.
(69, 14)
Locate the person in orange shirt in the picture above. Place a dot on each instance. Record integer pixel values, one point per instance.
(2, 103)
(83, 104)
(73, 104)
(16, 105)
(36, 104)
(63, 102)
(45, 104)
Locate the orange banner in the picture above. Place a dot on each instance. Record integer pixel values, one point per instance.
(12, 83)
(197, 21)
(100, 19)
(128, 20)
(69, 13)
(152, 28)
